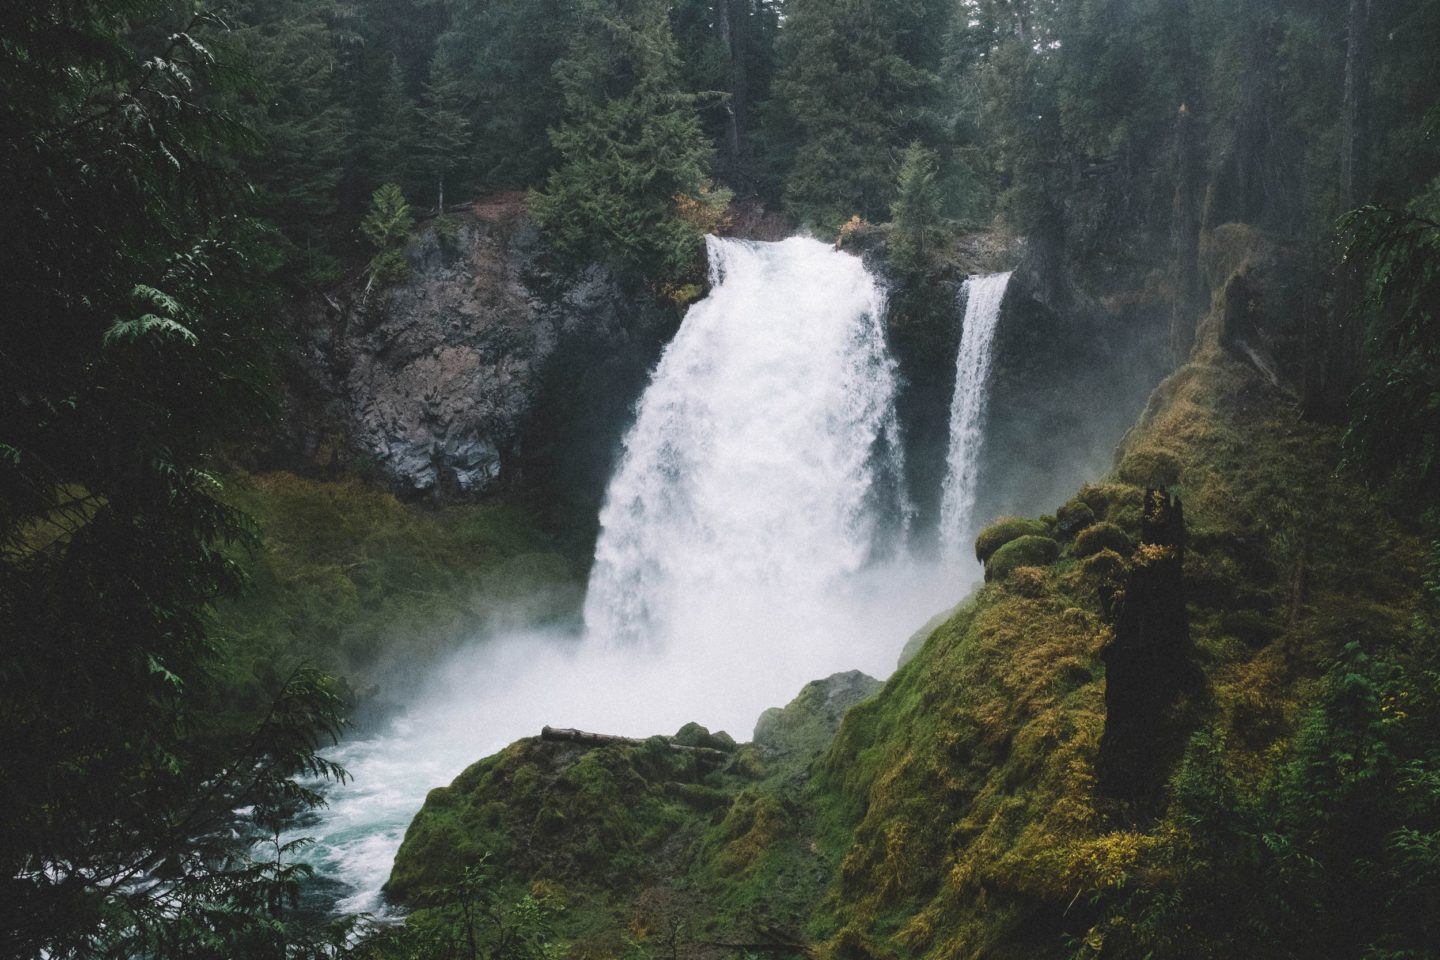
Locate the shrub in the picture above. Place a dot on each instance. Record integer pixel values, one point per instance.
(1026, 551)
(1003, 531)
(1150, 467)
(1102, 536)
(1074, 515)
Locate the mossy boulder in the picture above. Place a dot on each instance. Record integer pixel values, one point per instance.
(1106, 566)
(1150, 467)
(1119, 503)
(804, 727)
(1026, 551)
(694, 735)
(1073, 517)
(1003, 531)
(1102, 536)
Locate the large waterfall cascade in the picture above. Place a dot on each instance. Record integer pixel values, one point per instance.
(750, 478)
(983, 298)
(746, 548)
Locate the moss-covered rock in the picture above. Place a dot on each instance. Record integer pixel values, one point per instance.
(1102, 536)
(805, 726)
(1150, 466)
(1104, 566)
(1026, 581)
(1073, 517)
(1004, 530)
(1026, 551)
(1118, 503)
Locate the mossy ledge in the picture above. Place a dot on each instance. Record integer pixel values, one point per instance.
(956, 812)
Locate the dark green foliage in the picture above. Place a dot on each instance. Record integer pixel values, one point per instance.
(629, 148)
(445, 135)
(387, 226)
(856, 81)
(916, 237)
(131, 348)
(1335, 856)
(1396, 425)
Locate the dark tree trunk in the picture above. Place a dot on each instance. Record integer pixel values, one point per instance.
(732, 34)
(1148, 663)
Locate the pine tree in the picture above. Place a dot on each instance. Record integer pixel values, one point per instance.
(631, 149)
(392, 131)
(917, 233)
(132, 349)
(445, 136)
(387, 226)
(858, 80)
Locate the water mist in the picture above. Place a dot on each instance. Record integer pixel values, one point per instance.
(751, 541)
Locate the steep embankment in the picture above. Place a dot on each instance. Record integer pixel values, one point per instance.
(970, 782)
(351, 580)
(959, 812)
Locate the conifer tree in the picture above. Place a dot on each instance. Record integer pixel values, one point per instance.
(858, 81)
(630, 147)
(445, 136)
(387, 226)
(917, 235)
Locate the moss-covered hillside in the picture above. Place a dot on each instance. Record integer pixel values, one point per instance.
(958, 813)
(351, 580)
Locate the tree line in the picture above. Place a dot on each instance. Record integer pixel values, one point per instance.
(174, 169)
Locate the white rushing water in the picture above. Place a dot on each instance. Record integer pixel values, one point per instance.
(983, 296)
(751, 541)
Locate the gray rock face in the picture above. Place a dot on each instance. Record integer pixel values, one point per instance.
(433, 383)
(445, 367)
(805, 726)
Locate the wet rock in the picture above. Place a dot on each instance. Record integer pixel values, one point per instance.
(808, 723)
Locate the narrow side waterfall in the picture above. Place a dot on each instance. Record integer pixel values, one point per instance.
(751, 541)
(755, 475)
(983, 297)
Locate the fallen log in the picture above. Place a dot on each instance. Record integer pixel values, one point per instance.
(569, 735)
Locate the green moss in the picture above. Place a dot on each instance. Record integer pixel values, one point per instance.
(1104, 566)
(354, 581)
(1119, 503)
(1074, 516)
(1150, 466)
(1026, 551)
(1004, 530)
(1102, 536)
(955, 813)
(966, 787)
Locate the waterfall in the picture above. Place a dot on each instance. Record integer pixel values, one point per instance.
(757, 472)
(983, 296)
(744, 551)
